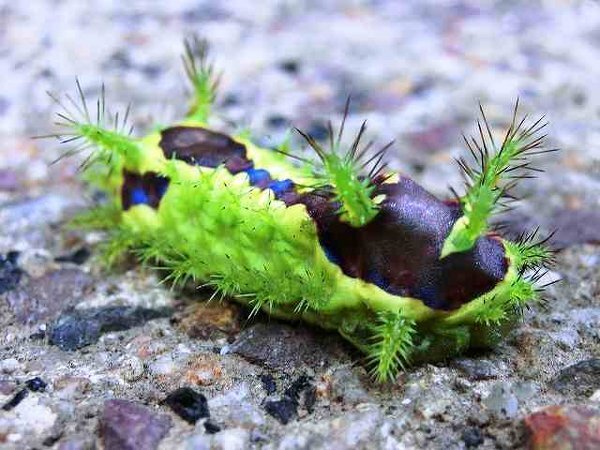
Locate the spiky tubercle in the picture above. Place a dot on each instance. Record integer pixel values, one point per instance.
(519, 288)
(341, 173)
(392, 344)
(105, 136)
(530, 252)
(496, 174)
(201, 75)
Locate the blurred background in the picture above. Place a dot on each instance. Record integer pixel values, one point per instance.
(416, 70)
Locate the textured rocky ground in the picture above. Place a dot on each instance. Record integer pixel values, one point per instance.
(89, 358)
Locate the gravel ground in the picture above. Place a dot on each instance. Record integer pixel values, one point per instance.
(94, 359)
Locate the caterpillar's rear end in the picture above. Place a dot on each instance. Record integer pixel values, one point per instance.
(341, 243)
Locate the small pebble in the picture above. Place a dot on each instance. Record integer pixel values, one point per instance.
(290, 66)
(127, 425)
(15, 400)
(283, 410)
(268, 383)
(472, 437)
(10, 273)
(133, 369)
(287, 407)
(78, 257)
(318, 131)
(211, 427)
(276, 121)
(36, 384)
(9, 365)
(80, 328)
(310, 398)
(579, 379)
(188, 404)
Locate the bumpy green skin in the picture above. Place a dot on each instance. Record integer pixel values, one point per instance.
(214, 228)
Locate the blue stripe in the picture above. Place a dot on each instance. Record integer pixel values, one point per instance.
(163, 184)
(139, 197)
(281, 186)
(257, 175)
(377, 279)
(331, 255)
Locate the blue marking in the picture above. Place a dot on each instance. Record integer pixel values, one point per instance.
(331, 256)
(163, 184)
(431, 297)
(258, 175)
(377, 279)
(139, 197)
(281, 186)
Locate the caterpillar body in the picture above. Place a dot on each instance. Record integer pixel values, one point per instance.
(402, 275)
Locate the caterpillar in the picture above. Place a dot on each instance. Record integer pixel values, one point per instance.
(336, 241)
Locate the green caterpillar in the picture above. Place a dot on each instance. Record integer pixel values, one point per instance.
(402, 275)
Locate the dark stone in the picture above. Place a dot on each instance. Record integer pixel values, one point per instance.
(310, 399)
(152, 71)
(79, 328)
(268, 383)
(297, 387)
(318, 131)
(126, 425)
(53, 437)
(476, 369)
(36, 384)
(290, 66)
(15, 400)
(296, 346)
(286, 408)
(230, 100)
(283, 410)
(188, 404)
(211, 427)
(38, 335)
(580, 379)
(276, 121)
(10, 273)
(78, 257)
(43, 298)
(118, 60)
(472, 437)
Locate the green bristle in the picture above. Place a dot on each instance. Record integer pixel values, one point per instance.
(342, 174)
(496, 174)
(392, 345)
(529, 252)
(202, 76)
(103, 217)
(108, 136)
(119, 243)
